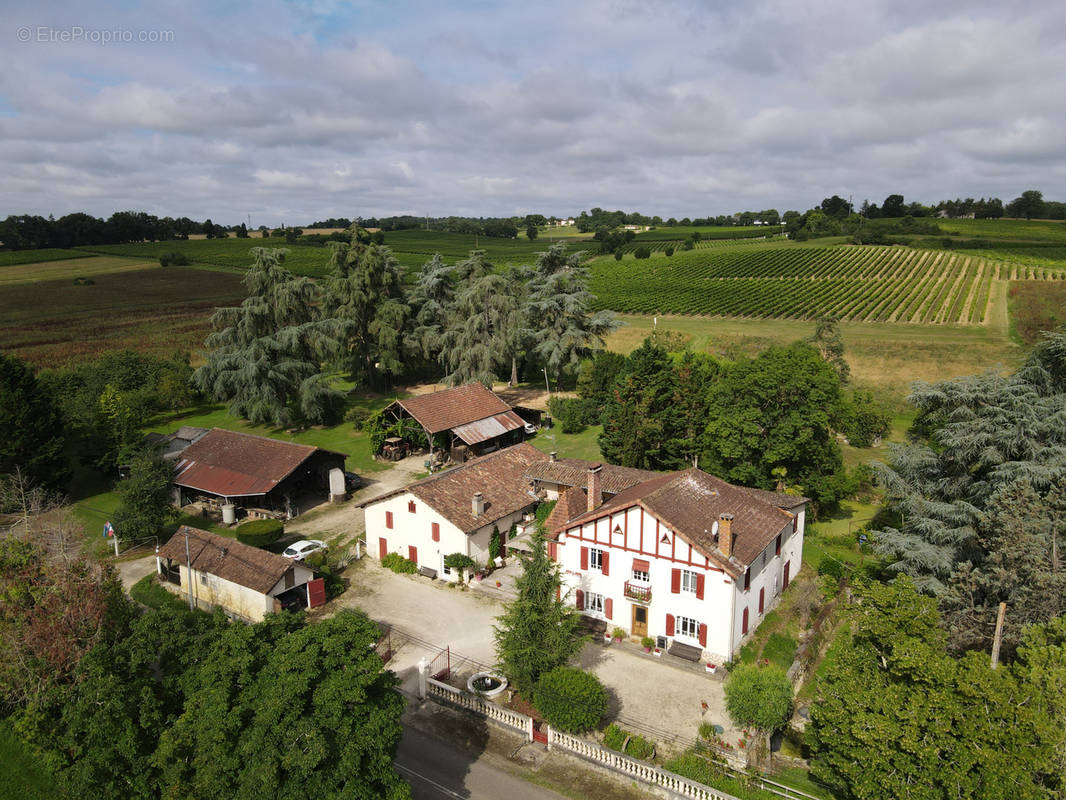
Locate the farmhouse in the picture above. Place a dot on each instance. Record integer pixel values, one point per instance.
(462, 421)
(685, 558)
(264, 477)
(243, 581)
(455, 511)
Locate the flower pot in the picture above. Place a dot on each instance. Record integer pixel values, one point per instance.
(606, 638)
(658, 652)
(712, 668)
(647, 649)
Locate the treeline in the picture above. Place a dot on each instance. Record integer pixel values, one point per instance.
(589, 221)
(27, 232)
(769, 422)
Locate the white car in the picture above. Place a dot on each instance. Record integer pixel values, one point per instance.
(531, 428)
(303, 548)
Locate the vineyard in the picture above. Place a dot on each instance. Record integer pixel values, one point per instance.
(871, 284)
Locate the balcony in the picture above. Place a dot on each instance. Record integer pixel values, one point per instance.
(638, 591)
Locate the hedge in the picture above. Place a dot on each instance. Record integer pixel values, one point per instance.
(399, 564)
(570, 699)
(260, 532)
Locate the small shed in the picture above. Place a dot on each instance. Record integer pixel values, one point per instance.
(245, 582)
(468, 419)
(254, 472)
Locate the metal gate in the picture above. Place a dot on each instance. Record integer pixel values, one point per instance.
(384, 646)
(441, 665)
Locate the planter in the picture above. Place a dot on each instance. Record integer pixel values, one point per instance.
(606, 638)
(712, 668)
(647, 649)
(658, 652)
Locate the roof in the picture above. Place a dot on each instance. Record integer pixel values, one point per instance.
(234, 464)
(228, 559)
(500, 477)
(489, 428)
(572, 503)
(690, 502)
(450, 408)
(575, 472)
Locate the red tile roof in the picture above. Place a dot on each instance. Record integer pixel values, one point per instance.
(228, 559)
(690, 502)
(234, 464)
(450, 408)
(575, 472)
(572, 503)
(500, 477)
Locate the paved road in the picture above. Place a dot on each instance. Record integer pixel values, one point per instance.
(436, 769)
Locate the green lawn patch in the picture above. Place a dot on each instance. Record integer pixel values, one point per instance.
(25, 777)
(148, 591)
(570, 445)
(12, 257)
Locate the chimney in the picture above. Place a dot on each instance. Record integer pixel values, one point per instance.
(725, 534)
(478, 504)
(594, 491)
(553, 456)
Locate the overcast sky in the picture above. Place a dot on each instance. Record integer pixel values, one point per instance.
(292, 112)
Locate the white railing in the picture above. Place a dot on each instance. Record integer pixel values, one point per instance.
(634, 768)
(504, 716)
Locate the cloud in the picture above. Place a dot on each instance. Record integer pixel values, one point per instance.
(301, 110)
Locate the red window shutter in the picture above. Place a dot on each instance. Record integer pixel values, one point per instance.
(777, 545)
(747, 579)
(788, 564)
(388, 519)
(669, 624)
(744, 622)
(699, 587)
(436, 531)
(703, 635)
(580, 602)
(762, 594)
(553, 551)
(608, 608)
(411, 506)
(584, 558)
(412, 553)
(675, 582)
(604, 560)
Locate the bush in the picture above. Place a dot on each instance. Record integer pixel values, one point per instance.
(358, 416)
(495, 544)
(573, 413)
(458, 561)
(617, 255)
(832, 567)
(780, 649)
(570, 699)
(399, 564)
(84, 282)
(329, 571)
(647, 642)
(642, 252)
(669, 251)
(260, 532)
(149, 591)
(614, 737)
(174, 259)
(637, 746)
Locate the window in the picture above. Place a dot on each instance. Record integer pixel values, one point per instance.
(203, 579)
(595, 558)
(411, 506)
(640, 575)
(686, 626)
(689, 581)
(388, 519)
(747, 579)
(446, 570)
(594, 602)
(777, 545)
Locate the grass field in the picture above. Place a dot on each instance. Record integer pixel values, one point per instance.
(24, 777)
(1017, 230)
(1036, 306)
(413, 248)
(228, 253)
(883, 356)
(69, 269)
(12, 257)
(679, 233)
(154, 310)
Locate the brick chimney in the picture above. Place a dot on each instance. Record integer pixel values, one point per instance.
(478, 504)
(725, 534)
(595, 493)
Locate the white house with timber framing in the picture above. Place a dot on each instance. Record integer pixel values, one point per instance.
(684, 558)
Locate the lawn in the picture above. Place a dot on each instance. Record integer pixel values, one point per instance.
(11, 257)
(570, 445)
(68, 269)
(24, 776)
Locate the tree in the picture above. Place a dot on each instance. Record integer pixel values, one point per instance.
(836, 207)
(893, 206)
(1029, 205)
(266, 355)
(760, 698)
(364, 294)
(777, 410)
(830, 345)
(31, 429)
(896, 716)
(430, 299)
(559, 300)
(570, 699)
(144, 497)
(531, 232)
(537, 632)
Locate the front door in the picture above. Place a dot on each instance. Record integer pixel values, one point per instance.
(412, 553)
(383, 547)
(640, 621)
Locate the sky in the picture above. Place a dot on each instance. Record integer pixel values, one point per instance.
(290, 112)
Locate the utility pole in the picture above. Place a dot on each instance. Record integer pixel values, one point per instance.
(999, 634)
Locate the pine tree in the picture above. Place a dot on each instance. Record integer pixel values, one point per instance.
(537, 632)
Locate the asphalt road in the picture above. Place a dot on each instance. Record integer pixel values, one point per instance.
(435, 769)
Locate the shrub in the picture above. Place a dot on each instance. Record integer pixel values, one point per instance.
(399, 564)
(617, 255)
(832, 567)
(174, 259)
(495, 544)
(148, 591)
(618, 633)
(642, 252)
(573, 413)
(358, 416)
(614, 737)
(780, 649)
(669, 251)
(260, 532)
(84, 282)
(327, 569)
(647, 642)
(458, 561)
(570, 699)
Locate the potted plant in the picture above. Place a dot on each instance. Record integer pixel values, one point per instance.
(647, 643)
(606, 637)
(619, 634)
(711, 668)
(657, 652)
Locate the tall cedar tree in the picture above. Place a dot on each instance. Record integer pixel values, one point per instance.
(266, 355)
(980, 437)
(364, 294)
(537, 632)
(31, 429)
(896, 716)
(432, 296)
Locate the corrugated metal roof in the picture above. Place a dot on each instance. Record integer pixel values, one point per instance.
(489, 428)
(448, 408)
